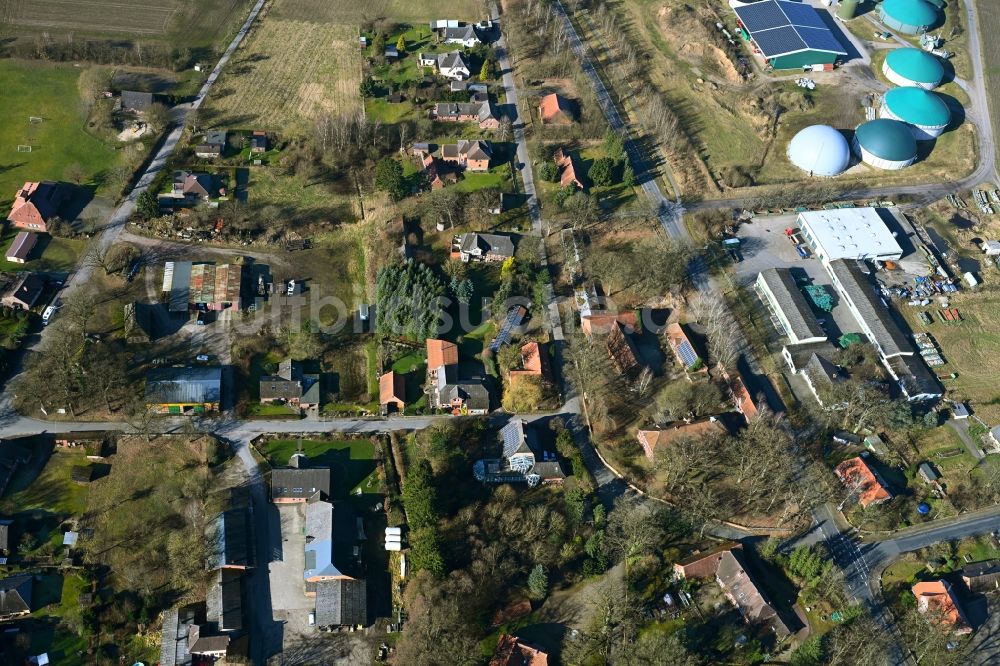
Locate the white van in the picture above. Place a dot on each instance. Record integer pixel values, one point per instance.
(48, 314)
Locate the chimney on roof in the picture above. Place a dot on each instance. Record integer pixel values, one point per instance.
(298, 460)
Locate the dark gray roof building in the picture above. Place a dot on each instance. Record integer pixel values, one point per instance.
(133, 100)
(231, 540)
(15, 596)
(177, 623)
(224, 602)
(788, 306)
(342, 602)
(872, 315)
(744, 592)
(486, 245)
(5, 535)
(289, 484)
(26, 292)
(914, 379)
(982, 576)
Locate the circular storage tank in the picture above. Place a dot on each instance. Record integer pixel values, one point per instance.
(913, 67)
(885, 144)
(848, 9)
(923, 110)
(910, 17)
(819, 150)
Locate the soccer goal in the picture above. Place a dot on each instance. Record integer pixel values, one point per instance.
(34, 120)
(23, 149)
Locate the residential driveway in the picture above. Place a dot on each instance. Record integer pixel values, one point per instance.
(961, 428)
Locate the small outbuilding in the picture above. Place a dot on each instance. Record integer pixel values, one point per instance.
(991, 248)
(20, 248)
(928, 473)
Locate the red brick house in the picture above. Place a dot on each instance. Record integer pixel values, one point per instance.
(35, 205)
(568, 169)
(555, 110)
(651, 439)
(473, 155)
(858, 475)
(391, 391)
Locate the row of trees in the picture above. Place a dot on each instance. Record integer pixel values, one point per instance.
(102, 51)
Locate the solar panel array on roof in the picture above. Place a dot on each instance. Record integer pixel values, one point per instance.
(779, 27)
(687, 353)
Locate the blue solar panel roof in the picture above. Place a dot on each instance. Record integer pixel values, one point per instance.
(779, 40)
(687, 353)
(802, 15)
(780, 27)
(819, 39)
(762, 16)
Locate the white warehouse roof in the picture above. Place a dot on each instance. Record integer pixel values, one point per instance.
(848, 233)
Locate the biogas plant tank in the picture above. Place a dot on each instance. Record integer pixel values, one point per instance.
(885, 144)
(924, 111)
(819, 150)
(913, 67)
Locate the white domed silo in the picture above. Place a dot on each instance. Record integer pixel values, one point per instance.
(819, 150)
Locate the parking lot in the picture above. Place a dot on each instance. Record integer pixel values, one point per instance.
(765, 245)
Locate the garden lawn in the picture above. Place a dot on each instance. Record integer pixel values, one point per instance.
(52, 491)
(49, 254)
(352, 461)
(48, 91)
(495, 178)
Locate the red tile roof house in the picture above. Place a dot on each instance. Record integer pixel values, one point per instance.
(740, 395)
(602, 322)
(440, 353)
(554, 110)
(391, 391)
(35, 205)
(568, 169)
(858, 475)
(683, 349)
(535, 360)
(938, 598)
(482, 113)
(21, 248)
(651, 439)
(511, 651)
(622, 350)
(726, 563)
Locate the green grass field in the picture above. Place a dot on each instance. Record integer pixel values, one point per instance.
(52, 491)
(352, 461)
(49, 254)
(47, 91)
